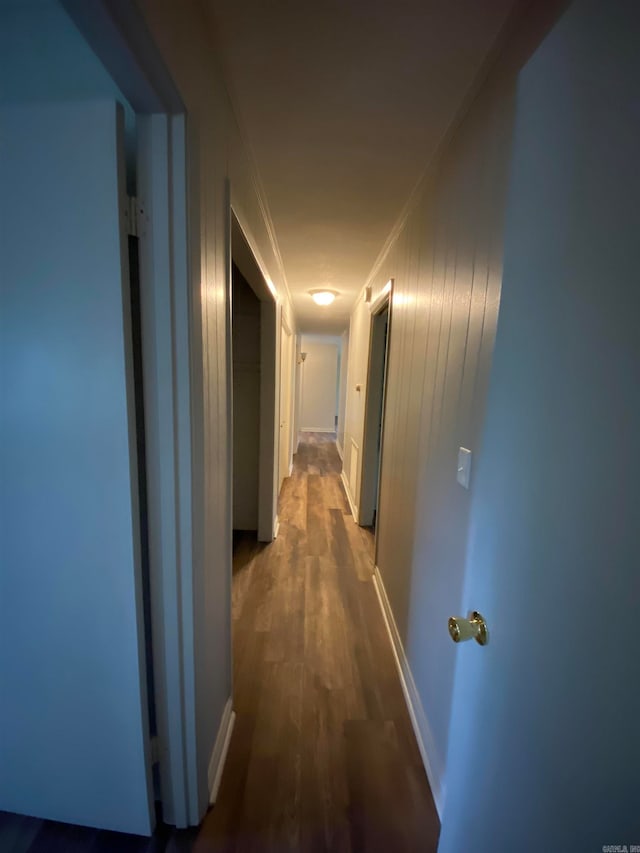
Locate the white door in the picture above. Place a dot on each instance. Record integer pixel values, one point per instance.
(73, 706)
(545, 734)
(286, 366)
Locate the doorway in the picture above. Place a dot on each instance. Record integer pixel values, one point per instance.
(253, 388)
(375, 409)
(245, 334)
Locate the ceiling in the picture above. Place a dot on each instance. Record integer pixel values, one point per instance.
(343, 103)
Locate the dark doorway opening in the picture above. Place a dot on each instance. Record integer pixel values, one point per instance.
(245, 333)
(368, 512)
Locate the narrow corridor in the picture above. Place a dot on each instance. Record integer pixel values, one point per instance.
(323, 756)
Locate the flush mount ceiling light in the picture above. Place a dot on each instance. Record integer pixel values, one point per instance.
(323, 297)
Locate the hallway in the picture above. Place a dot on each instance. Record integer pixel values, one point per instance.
(323, 756)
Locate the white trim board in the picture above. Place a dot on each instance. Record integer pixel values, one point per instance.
(382, 299)
(421, 728)
(339, 449)
(220, 749)
(345, 483)
(315, 429)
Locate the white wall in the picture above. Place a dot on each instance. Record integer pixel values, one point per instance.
(319, 384)
(73, 714)
(446, 261)
(66, 428)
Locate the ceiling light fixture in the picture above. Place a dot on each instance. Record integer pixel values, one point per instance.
(323, 297)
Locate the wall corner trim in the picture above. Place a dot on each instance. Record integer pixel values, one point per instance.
(220, 749)
(339, 449)
(421, 727)
(345, 483)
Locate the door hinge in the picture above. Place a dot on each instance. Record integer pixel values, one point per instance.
(135, 217)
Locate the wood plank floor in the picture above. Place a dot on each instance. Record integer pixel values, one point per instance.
(323, 756)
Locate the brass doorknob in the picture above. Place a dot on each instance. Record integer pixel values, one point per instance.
(474, 627)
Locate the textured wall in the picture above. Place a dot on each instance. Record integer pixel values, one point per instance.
(446, 262)
(447, 270)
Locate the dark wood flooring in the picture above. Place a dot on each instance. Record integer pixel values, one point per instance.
(323, 756)
(20, 834)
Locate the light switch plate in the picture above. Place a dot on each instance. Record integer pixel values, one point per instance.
(464, 467)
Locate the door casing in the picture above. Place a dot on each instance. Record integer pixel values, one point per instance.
(377, 372)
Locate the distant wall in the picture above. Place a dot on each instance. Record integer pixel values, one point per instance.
(319, 384)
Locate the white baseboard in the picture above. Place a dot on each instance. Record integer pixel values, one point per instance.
(316, 429)
(276, 528)
(220, 749)
(345, 483)
(419, 721)
(339, 449)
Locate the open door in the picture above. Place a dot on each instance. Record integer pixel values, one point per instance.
(74, 742)
(544, 742)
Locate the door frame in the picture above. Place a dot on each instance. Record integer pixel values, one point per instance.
(375, 401)
(241, 252)
(166, 342)
(118, 35)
